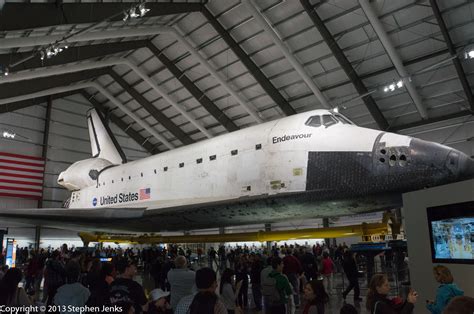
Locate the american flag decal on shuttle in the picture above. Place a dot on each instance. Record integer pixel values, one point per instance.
(21, 176)
(144, 194)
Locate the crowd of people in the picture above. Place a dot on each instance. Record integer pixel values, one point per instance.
(281, 280)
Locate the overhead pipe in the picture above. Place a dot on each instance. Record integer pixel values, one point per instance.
(21, 42)
(250, 4)
(260, 236)
(393, 55)
(102, 90)
(57, 70)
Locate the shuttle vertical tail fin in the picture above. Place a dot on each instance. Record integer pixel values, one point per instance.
(103, 143)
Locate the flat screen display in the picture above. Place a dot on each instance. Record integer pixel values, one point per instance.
(10, 258)
(452, 233)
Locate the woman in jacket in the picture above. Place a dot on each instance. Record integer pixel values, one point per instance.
(316, 297)
(446, 291)
(379, 303)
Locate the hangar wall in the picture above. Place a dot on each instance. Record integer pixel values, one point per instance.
(419, 248)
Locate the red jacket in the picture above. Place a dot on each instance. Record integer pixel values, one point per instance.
(328, 266)
(291, 265)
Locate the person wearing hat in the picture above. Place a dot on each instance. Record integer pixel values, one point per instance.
(125, 289)
(159, 302)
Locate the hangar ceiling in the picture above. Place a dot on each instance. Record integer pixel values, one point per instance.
(193, 70)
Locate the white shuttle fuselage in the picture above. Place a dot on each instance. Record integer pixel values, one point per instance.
(313, 164)
(267, 159)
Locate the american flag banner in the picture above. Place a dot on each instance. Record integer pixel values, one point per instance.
(144, 194)
(21, 176)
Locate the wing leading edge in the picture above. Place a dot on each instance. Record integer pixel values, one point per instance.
(93, 219)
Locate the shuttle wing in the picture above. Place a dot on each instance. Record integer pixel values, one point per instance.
(93, 219)
(241, 211)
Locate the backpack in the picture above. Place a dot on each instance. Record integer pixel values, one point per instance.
(270, 291)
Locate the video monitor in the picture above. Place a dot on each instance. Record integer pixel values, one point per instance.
(452, 233)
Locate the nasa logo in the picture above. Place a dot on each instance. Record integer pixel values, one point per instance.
(94, 201)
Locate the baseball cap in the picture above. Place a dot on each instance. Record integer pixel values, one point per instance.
(157, 294)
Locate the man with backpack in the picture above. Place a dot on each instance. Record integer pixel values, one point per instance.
(276, 288)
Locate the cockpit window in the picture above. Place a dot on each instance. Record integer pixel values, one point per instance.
(343, 119)
(314, 121)
(328, 120)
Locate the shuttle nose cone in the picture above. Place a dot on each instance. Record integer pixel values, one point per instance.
(465, 167)
(440, 164)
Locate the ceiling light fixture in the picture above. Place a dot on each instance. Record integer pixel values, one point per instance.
(126, 16)
(393, 86)
(8, 134)
(469, 54)
(142, 9)
(51, 51)
(4, 71)
(133, 13)
(136, 11)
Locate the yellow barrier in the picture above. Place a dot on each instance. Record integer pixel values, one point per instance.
(362, 230)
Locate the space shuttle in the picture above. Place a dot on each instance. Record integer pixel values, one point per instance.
(313, 164)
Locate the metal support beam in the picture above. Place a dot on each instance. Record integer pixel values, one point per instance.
(268, 228)
(26, 15)
(222, 231)
(44, 151)
(378, 72)
(44, 155)
(397, 128)
(58, 70)
(72, 54)
(144, 124)
(152, 110)
(194, 90)
(19, 88)
(326, 225)
(346, 65)
(122, 125)
(18, 42)
(452, 50)
(289, 56)
(37, 237)
(393, 55)
(15, 89)
(116, 120)
(31, 102)
(271, 90)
